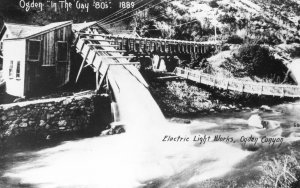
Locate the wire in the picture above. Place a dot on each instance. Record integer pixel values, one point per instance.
(134, 15)
(153, 29)
(116, 19)
(117, 12)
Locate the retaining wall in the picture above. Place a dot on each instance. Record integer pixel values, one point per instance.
(47, 116)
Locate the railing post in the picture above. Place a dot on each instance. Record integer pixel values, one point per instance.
(214, 83)
(227, 85)
(243, 87)
(283, 92)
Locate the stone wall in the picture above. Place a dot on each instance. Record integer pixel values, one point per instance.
(47, 116)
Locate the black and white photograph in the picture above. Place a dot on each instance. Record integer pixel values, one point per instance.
(149, 94)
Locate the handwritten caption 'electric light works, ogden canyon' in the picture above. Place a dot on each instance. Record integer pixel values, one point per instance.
(68, 5)
(203, 139)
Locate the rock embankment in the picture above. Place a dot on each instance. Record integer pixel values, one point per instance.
(46, 117)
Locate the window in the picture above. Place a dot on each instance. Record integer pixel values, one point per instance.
(34, 50)
(62, 51)
(18, 70)
(10, 71)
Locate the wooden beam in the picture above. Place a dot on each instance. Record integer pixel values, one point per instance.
(82, 64)
(127, 57)
(103, 45)
(99, 40)
(92, 34)
(167, 77)
(129, 63)
(101, 79)
(110, 51)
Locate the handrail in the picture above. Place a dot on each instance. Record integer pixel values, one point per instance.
(282, 90)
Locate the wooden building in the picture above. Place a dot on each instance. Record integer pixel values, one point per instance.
(36, 59)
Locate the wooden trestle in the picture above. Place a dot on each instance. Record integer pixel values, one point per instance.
(98, 53)
(155, 45)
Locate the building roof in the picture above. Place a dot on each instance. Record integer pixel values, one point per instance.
(80, 26)
(22, 31)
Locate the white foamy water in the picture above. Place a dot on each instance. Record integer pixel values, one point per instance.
(122, 161)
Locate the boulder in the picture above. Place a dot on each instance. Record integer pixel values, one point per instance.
(180, 120)
(255, 121)
(212, 110)
(270, 124)
(42, 123)
(266, 108)
(223, 108)
(23, 125)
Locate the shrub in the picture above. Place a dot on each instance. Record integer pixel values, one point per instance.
(281, 172)
(258, 61)
(225, 48)
(295, 52)
(227, 19)
(214, 4)
(235, 40)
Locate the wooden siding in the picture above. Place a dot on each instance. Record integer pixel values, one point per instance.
(48, 73)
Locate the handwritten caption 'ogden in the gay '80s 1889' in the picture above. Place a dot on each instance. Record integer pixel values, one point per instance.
(68, 5)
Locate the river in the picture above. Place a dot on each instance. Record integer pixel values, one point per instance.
(143, 159)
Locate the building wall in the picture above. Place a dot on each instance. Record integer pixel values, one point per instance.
(14, 50)
(48, 72)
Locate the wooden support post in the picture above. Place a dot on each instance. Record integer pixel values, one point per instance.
(127, 44)
(81, 66)
(146, 46)
(261, 91)
(97, 80)
(111, 51)
(283, 92)
(243, 87)
(98, 40)
(102, 78)
(214, 82)
(194, 48)
(141, 46)
(134, 45)
(227, 85)
(151, 46)
(76, 40)
(166, 50)
(118, 57)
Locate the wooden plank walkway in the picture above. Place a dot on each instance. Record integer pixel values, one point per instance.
(280, 90)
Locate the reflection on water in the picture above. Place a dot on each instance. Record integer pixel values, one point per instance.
(138, 159)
